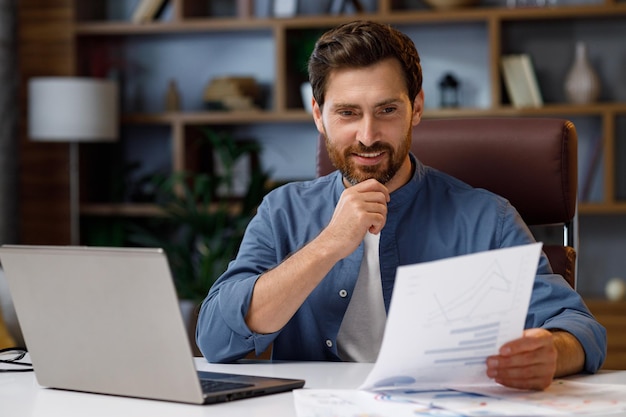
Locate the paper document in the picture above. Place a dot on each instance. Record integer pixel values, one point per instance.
(562, 398)
(447, 316)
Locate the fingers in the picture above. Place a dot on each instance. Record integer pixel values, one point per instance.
(361, 208)
(369, 201)
(525, 363)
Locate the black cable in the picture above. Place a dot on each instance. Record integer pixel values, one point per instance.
(20, 353)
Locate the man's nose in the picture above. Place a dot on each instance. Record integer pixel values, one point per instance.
(368, 131)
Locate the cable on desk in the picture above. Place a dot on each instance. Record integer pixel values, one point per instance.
(12, 356)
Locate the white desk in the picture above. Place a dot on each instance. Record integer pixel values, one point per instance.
(20, 396)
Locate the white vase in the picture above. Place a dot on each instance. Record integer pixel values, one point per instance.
(307, 96)
(582, 84)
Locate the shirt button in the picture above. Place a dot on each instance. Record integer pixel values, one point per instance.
(343, 293)
(329, 343)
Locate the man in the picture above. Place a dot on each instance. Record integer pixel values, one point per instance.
(315, 271)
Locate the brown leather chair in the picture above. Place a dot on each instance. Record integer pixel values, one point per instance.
(530, 161)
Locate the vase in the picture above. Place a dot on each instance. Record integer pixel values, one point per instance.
(582, 84)
(307, 96)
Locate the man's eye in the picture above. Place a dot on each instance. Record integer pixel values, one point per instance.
(346, 112)
(389, 109)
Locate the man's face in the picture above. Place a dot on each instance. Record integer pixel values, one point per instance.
(367, 120)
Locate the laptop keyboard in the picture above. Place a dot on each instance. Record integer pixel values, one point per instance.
(211, 385)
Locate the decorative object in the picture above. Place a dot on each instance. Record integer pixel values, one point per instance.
(345, 6)
(148, 10)
(450, 4)
(615, 289)
(520, 81)
(307, 96)
(449, 91)
(245, 9)
(73, 109)
(172, 97)
(582, 84)
(232, 93)
(285, 8)
(531, 3)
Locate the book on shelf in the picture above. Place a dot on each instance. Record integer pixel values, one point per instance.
(591, 169)
(245, 8)
(345, 6)
(148, 10)
(520, 81)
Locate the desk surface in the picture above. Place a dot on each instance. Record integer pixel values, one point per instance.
(20, 396)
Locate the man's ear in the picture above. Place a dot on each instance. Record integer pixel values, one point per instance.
(418, 108)
(317, 117)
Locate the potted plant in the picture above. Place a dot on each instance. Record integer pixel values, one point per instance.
(202, 227)
(300, 46)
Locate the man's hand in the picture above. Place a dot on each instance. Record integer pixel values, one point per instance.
(532, 361)
(361, 208)
(280, 292)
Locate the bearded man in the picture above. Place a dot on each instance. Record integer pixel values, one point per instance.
(315, 271)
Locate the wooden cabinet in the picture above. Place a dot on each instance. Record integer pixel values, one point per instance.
(612, 315)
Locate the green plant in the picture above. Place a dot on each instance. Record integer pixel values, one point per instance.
(201, 231)
(301, 44)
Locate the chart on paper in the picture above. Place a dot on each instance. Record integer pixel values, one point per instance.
(447, 316)
(467, 300)
(483, 297)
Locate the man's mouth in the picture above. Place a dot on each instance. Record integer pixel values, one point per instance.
(369, 154)
(369, 158)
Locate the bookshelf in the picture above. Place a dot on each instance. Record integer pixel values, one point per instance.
(57, 38)
(91, 30)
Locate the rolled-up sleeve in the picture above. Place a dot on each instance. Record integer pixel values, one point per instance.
(554, 305)
(222, 334)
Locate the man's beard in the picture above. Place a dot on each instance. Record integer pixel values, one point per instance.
(383, 172)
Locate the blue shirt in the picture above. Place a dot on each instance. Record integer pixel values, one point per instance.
(433, 216)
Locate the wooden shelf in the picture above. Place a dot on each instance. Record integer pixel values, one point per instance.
(300, 116)
(158, 28)
(586, 208)
(83, 36)
(218, 117)
(121, 210)
(612, 315)
(478, 14)
(134, 209)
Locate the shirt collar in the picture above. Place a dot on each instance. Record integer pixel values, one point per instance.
(398, 197)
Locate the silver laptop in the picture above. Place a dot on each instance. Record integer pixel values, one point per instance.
(107, 320)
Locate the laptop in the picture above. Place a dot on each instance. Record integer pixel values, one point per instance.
(108, 321)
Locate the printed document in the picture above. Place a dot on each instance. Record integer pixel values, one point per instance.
(446, 317)
(562, 398)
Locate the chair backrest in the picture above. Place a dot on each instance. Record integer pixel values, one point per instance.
(530, 161)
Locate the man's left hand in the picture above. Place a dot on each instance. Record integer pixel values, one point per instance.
(529, 362)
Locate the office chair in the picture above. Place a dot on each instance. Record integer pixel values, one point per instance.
(530, 161)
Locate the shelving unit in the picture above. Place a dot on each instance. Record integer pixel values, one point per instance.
(62, 37)
(187, 19)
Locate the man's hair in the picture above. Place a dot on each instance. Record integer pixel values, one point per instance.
(361, 44)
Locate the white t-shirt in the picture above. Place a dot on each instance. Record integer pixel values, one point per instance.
(361, 331)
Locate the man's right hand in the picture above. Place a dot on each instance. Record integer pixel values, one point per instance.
(279, 292)
(361, 208)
